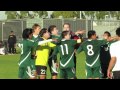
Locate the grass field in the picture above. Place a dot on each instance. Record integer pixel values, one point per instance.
(9, 67)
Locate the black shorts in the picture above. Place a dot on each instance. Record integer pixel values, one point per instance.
(41, 70)
(116, 74)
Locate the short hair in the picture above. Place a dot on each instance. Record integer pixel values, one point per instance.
(51, 28)
(35, 26)
(90, 33)
(118, 31)
(44, 30)
(108, 33)
(66, 24)
(64, 33)
(27, 32)
(11, 31)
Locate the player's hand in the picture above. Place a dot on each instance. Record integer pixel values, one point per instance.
(54, 40)
(33, 56)
(109, 74)
(80, 32)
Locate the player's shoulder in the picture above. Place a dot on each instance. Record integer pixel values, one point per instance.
(30, 40)
(115, 43)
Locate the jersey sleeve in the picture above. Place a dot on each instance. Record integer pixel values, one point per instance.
(73, 42)
(102, 42)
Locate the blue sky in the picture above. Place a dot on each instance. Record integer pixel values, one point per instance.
(3, 16)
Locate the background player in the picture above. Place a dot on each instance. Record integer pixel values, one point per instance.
(91, 47)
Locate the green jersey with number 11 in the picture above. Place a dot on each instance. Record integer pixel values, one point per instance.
(92, 51)
(66, 50)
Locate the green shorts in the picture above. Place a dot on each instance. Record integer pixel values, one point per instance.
(67, 73)
(26, 72)
(93, 72)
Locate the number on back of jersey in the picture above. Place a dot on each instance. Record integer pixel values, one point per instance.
(90, 51)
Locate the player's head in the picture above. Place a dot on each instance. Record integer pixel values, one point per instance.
(44, 33)
(36, 28)
(11, 32)
(118, 32)
(66, 27)
(27, 33)
(92, 34)
(53, 30)
(106, 35)
(66, 35)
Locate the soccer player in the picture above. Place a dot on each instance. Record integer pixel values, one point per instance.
(77, 35)
(66, 50)
(42, 54)
(54, 35)
(114, 65)
(36, 30)
(25, 64)
(105, 53)
(91, 47)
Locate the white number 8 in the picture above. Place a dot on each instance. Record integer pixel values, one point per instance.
(90, 50)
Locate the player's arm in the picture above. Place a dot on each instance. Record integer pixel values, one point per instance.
(80, 49)
(112, 61)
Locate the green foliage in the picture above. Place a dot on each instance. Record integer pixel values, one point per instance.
(65, 14)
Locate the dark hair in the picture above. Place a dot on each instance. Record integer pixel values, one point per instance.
(90, 33)
(51, 28)
(11, 31)
(64, 33)
(118, 31)
(66, 24)
(44, 30)
(27, 32)
(35, 26)
(108, 33)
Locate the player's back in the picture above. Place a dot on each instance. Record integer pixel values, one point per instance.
(92, 51)
(66, 50)
(25, 46)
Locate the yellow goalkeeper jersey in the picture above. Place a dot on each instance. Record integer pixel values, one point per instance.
(42, 53)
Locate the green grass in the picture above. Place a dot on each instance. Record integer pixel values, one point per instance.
(9, 67)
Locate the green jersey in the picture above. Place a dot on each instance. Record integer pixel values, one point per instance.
(92, 51)
(26, 45)
(66, 50)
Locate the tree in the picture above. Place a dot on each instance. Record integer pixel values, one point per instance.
(42, 14)
(65, 14)
(11, 14)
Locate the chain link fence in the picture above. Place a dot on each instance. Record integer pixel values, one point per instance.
(100, 26)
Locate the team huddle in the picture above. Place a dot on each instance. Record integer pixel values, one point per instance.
(40, 48)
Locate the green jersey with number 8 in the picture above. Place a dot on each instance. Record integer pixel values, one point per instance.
(92, 51)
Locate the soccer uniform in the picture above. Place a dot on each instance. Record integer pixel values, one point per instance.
(92, 51)
(55, 57)
(66, 50)
(105, 58)
(42, 57)
(35, 39)
(25, 65)
(115, 52)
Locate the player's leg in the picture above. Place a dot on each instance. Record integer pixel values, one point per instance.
(33, 68)
(12, 47)
(116, 74)
(71, 73)
(21, 73)
(89, 72)
(41, 71)
(9, 48)
(62, 74)
(75, 61)
(97, 74)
